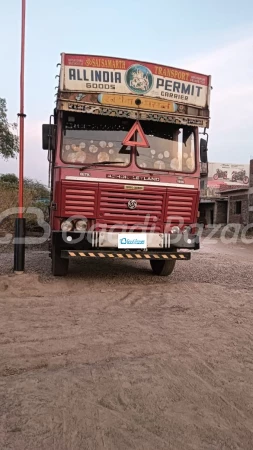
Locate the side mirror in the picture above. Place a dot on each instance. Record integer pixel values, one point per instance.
(48, 136)
(203, 150)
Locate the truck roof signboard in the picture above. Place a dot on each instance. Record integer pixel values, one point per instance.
(122, 83)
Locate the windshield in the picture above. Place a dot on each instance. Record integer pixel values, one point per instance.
(171, 149)
(99, 139)
(93, 146)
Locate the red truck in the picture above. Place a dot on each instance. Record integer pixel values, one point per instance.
(124, 154)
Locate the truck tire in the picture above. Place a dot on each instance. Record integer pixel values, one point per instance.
(59, 265)
(161, 267)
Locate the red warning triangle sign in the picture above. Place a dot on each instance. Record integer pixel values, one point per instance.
(131, 136)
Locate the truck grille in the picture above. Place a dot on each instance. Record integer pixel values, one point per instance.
(181, 206)
(114, 209)
(109, 206)
(78, 200)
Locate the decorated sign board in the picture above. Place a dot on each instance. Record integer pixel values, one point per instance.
(126, 84)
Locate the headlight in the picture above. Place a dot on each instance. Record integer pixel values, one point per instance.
(81, 225)
(175, 230)
(67, 225)
(187, 229)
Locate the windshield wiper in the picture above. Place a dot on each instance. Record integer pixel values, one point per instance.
(100, 163)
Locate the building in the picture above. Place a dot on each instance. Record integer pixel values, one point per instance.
(226, 194)
(240, 202)
(213, 210)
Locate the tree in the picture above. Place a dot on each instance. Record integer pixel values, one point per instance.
(8, 138)
(37, 189)
(9, 178)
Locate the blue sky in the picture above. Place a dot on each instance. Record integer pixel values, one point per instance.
(213, 37)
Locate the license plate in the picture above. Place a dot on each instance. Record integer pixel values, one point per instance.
(132, 240)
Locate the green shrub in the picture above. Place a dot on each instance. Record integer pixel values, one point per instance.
(33, 191)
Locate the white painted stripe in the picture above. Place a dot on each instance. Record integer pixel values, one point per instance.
(142, 183)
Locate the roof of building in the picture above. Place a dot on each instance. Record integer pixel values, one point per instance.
(238, 190)
(231, 187)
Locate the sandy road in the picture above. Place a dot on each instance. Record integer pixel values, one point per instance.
(114, 358)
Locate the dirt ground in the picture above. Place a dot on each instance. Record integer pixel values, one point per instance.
(114, 358)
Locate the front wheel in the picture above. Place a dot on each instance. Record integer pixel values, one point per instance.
(59, 265)
(161, 267)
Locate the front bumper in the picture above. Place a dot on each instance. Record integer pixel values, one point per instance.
(160, 242)
(127, 254)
